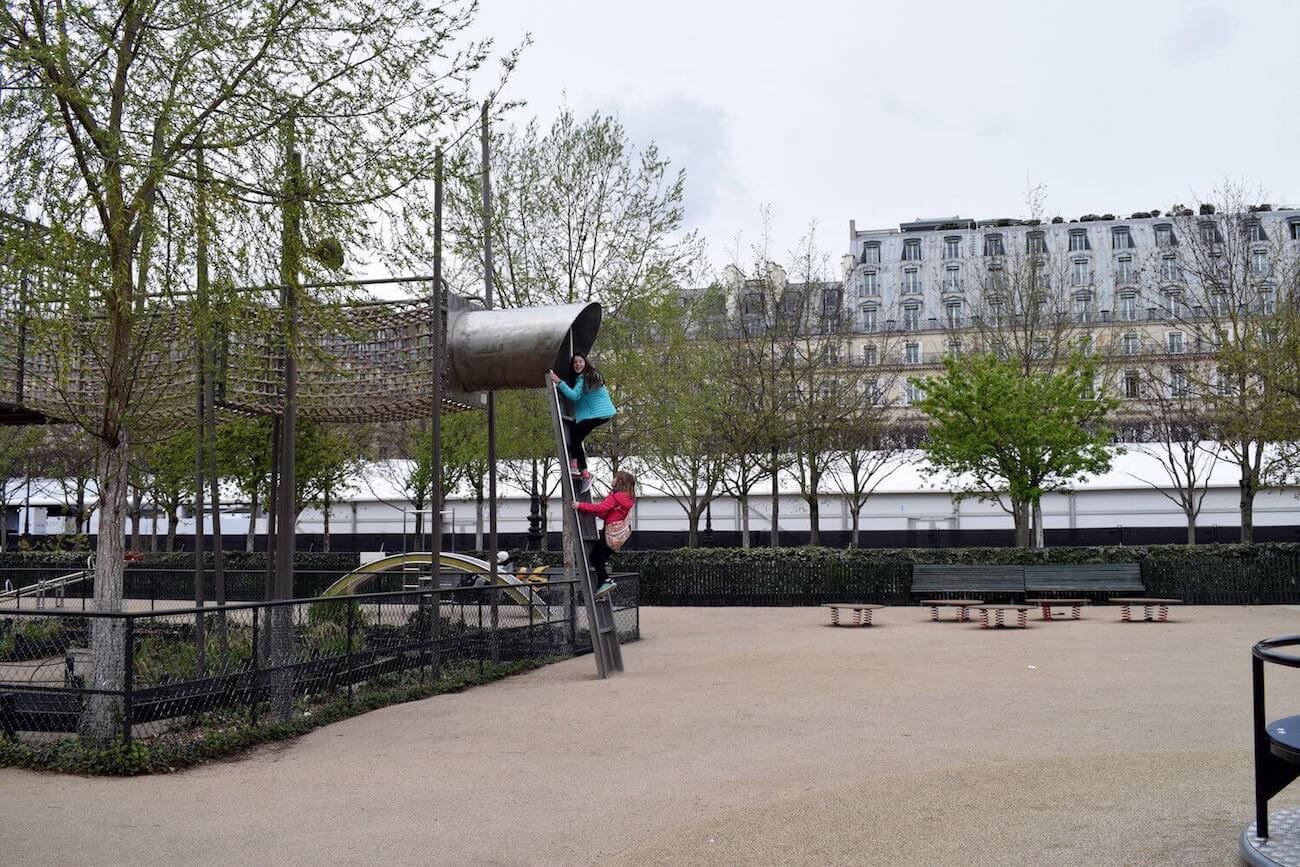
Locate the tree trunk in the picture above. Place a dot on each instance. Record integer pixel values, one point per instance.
(1191, 526)
(81, 509)
(856, 512)
(1246, 485)
(108, 651)
(325, 514)
(775, 522)
(172, 520)
(136, 497)
(478, 521)
(693, 526)
(743, 502)
(254, 507)
(1020, 519)
(1038, 524)
(814, 520)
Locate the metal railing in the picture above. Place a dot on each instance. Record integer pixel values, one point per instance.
(174, 670)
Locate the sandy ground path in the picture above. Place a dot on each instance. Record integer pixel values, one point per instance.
(743, 736)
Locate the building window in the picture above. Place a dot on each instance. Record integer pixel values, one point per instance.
(952, 279)
(912, 393)
(1164, 235)
(1124, 269)
(953, 312)
(1169, 272)
(1259, 263)
(1132, 384)
(1267, 302)
(954, 348)
(1219, 303)
(1178, 382)
(1085, 344)
(997, 310)
(993, 246)
(911, 317)
(1121, 238)
(870, 283)
(1035, 244)
(831, 353)
(952, 248)
(1255, 233)
(912, 353)
(1128, 308)
(1175, 339)
(1079, 241)
(871, 253)
(1173, 301)
(1130, 344)
(871, 391)
(911, 282)
(871, 355)
(1040, 348)
(869, 317)
(752, 304)
(1224, 384)
(1080, 274)
(1080, 308)
(912, 250)
(830, 300)
(1295, 230)
(1209, 232)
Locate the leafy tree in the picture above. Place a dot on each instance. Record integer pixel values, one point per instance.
(107, 107)
(579, 214)
(244, 460)
(999, 430)
(16, 447)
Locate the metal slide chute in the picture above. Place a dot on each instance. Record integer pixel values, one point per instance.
(352, 582)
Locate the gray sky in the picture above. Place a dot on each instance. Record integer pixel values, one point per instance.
(828, 110)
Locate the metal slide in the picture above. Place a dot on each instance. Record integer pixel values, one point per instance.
(600, 612)
(519, 591)
(41, 589)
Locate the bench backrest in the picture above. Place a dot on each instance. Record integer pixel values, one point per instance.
(1099, 577)
(968, 579)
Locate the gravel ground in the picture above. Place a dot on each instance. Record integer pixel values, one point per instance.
(743, 736)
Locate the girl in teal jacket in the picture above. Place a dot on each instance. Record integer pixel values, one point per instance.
(592, 407)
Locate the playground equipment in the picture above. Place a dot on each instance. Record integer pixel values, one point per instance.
(421, 563)
(600, 611)
(1273, 840)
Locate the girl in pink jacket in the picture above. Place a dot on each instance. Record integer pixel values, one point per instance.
(616, 507)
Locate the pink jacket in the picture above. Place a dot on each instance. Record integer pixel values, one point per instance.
(613, 508)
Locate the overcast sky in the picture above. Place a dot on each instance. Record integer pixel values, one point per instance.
(829, 110)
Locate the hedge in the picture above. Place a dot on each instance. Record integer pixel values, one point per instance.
(1203, 574)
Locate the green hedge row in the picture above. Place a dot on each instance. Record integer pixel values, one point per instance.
(1203, 574)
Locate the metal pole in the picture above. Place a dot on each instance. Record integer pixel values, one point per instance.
(435, 458)
(208, 420)
(491, 397)
(200, 640)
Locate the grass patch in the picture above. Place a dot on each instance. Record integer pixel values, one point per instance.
(225, 735)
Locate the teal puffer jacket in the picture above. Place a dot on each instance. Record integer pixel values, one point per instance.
(587, 403)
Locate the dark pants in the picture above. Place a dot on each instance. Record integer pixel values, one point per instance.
(577, 433)
(599, 556)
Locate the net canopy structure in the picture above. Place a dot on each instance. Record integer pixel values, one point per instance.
(365, 362)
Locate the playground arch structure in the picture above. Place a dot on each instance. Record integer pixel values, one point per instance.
(374, 361)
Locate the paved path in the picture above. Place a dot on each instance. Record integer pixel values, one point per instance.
(741, 736)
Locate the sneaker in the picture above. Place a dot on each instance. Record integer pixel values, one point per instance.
(604, 589)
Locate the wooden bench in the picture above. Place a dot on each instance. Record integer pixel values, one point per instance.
(962, 605)
(1046, 605)
(861, 612)
(967, 580)
(1022, 615)
(1153, 610)
(1077, 578)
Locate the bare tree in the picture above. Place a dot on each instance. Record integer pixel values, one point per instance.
(1219, 273)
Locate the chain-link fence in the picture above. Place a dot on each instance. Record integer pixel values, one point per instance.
(178, 671)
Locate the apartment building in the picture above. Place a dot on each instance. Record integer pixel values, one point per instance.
(1131, 288)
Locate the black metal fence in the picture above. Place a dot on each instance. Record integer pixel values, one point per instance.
(175, 670)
